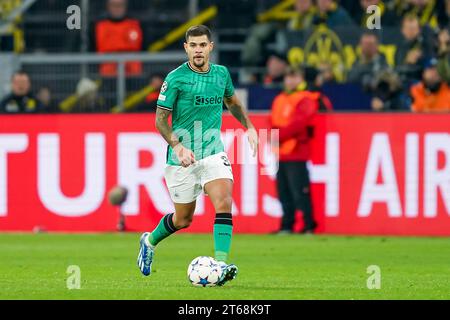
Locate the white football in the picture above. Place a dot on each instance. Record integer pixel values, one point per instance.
(204, 272)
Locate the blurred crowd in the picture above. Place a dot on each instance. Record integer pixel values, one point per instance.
(114, 31)
(416, 79)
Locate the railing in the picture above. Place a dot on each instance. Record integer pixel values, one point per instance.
(61, 73)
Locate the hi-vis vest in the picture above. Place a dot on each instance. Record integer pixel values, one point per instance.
(283, 109)
(428, 102)
(123, 36)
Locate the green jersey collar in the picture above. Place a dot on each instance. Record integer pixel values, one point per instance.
(200, 72)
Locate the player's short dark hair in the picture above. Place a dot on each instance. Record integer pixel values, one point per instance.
(198, 31)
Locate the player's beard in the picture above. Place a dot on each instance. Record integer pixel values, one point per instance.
(199, 65)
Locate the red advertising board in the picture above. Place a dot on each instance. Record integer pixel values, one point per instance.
(371, 174)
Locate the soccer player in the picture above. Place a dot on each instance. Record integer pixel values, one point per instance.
(194, 94)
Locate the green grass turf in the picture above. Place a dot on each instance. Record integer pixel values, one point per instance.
(270, 267)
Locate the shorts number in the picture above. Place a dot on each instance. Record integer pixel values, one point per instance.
(226, 162)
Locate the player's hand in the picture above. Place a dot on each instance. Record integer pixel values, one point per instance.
(184, 155)
(253, 140)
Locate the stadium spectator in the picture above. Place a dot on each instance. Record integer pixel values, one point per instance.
(370, 62)
(20, 100)
(44, 96)
(332, 15)
(430, 13)
(415, 48)
(305, 13)
(432, 94)
(315, 79)
(118, 33)
(292, 113)
(255, 53)
(387, 91)
(304, 17)
(325, 75)
(276, 68)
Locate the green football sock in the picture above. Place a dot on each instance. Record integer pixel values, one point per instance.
(223, 231)
(164, 229)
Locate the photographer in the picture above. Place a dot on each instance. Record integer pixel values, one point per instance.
(387, 92)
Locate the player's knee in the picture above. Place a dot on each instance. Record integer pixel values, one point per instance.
(224, 204)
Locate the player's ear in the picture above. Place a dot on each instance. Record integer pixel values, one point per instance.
(211, 45)
(185, 46)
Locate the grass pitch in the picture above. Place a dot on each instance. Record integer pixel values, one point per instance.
(270, 267)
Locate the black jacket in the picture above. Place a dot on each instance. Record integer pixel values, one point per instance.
(20, 104)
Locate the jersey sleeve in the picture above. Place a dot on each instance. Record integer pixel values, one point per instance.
(168, 94)
(229, 88)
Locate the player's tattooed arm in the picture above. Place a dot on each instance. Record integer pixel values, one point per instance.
(237, 110)
(185, 156)
(162, 124)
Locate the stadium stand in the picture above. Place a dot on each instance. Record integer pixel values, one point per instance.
(251, 35)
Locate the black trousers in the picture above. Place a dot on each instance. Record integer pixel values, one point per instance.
(294, 192)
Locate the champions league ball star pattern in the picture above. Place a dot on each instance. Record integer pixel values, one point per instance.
(204, 272)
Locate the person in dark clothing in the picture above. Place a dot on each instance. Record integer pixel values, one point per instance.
(369, 63)
(320, 76)
(331, 14)
(44, 95)
(275, 68)
(292, 113)
(387, 91)
(21, 100)
(415, 49)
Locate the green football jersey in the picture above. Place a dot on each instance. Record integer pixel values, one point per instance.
(196, 101)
